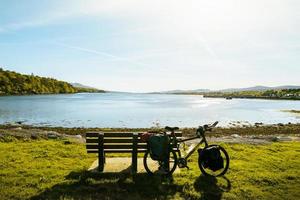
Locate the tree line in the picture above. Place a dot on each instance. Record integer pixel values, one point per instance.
(13, 83)
(269, 94)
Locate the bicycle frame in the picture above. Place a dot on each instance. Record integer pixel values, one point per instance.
(182, 161)
(178, 142)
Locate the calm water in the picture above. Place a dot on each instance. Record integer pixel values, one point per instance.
(140, 110)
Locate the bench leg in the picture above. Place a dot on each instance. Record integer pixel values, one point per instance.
(134, 153)
(101, 161)
(134, 163)
(101, 156)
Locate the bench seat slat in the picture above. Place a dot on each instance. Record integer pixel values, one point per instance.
(127, 134)
(121, 134)
(91, 134)
(117, 151)
(121, 150)
(112, 140)
(117, 134)
(116, 146)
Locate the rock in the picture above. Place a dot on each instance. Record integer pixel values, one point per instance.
(52, 135)
(258, 124)
(18, 128)
(235, 136)
(78, 137)
(280, 124)
(275, 139)
(255, 137)
(286, 138)
(67, 142)
(75, 138)
(34, 136)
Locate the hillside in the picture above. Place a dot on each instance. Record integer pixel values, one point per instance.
(260, 88)
(13, 83)
(84, 88)
(227, 90)
(79, 85)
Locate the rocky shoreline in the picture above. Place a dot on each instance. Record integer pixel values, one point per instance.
(258, 133)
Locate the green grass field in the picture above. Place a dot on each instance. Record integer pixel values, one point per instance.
(53, 169)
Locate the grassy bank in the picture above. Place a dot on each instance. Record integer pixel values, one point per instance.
(54, 169)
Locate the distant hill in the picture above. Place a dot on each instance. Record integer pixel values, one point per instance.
(79, 85)
(255, 88)
(83, 88)
(184, 91)
(13, 83)
(259, 88)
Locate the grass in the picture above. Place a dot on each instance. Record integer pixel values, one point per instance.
(53, 169)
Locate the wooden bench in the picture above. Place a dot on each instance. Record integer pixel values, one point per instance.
(116, 142)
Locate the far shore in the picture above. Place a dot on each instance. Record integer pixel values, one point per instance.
(236, 97)
(200, 94)
(249, 97)
(40, 94)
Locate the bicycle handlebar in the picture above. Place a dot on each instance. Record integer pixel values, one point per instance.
(207, 127)
(200, 131)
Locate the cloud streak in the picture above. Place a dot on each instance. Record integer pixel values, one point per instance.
(103, 54)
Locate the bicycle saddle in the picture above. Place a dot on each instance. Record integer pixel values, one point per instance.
(172, 129)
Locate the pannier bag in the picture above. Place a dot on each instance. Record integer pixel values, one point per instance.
(146, 136)
(211, 158)
(158, 146)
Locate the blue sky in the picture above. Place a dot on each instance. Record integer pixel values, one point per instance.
(138, 45)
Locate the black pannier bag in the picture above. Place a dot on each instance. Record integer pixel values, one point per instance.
(211, 158)
(158, 146)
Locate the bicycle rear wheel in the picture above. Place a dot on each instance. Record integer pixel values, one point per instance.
(158, 167)
(206, 171)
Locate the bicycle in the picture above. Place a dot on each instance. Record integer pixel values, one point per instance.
(175, 158)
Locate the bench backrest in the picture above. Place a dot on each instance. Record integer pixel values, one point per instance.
(116, 142)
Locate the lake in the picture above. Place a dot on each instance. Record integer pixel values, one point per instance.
(140, 110)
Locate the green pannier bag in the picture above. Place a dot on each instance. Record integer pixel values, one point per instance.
(158, 146)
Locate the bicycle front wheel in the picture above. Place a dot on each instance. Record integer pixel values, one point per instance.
(159, 167)
(206, 171)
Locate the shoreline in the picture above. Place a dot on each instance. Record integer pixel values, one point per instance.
(46, 94)
(193, 94)
(264, 98)
(258, 130)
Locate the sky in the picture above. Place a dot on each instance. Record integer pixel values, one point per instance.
(153, 45)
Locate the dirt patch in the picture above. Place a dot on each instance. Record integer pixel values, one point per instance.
(117, 165)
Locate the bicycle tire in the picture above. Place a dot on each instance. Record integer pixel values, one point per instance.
(225, 169)
(148, 159)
